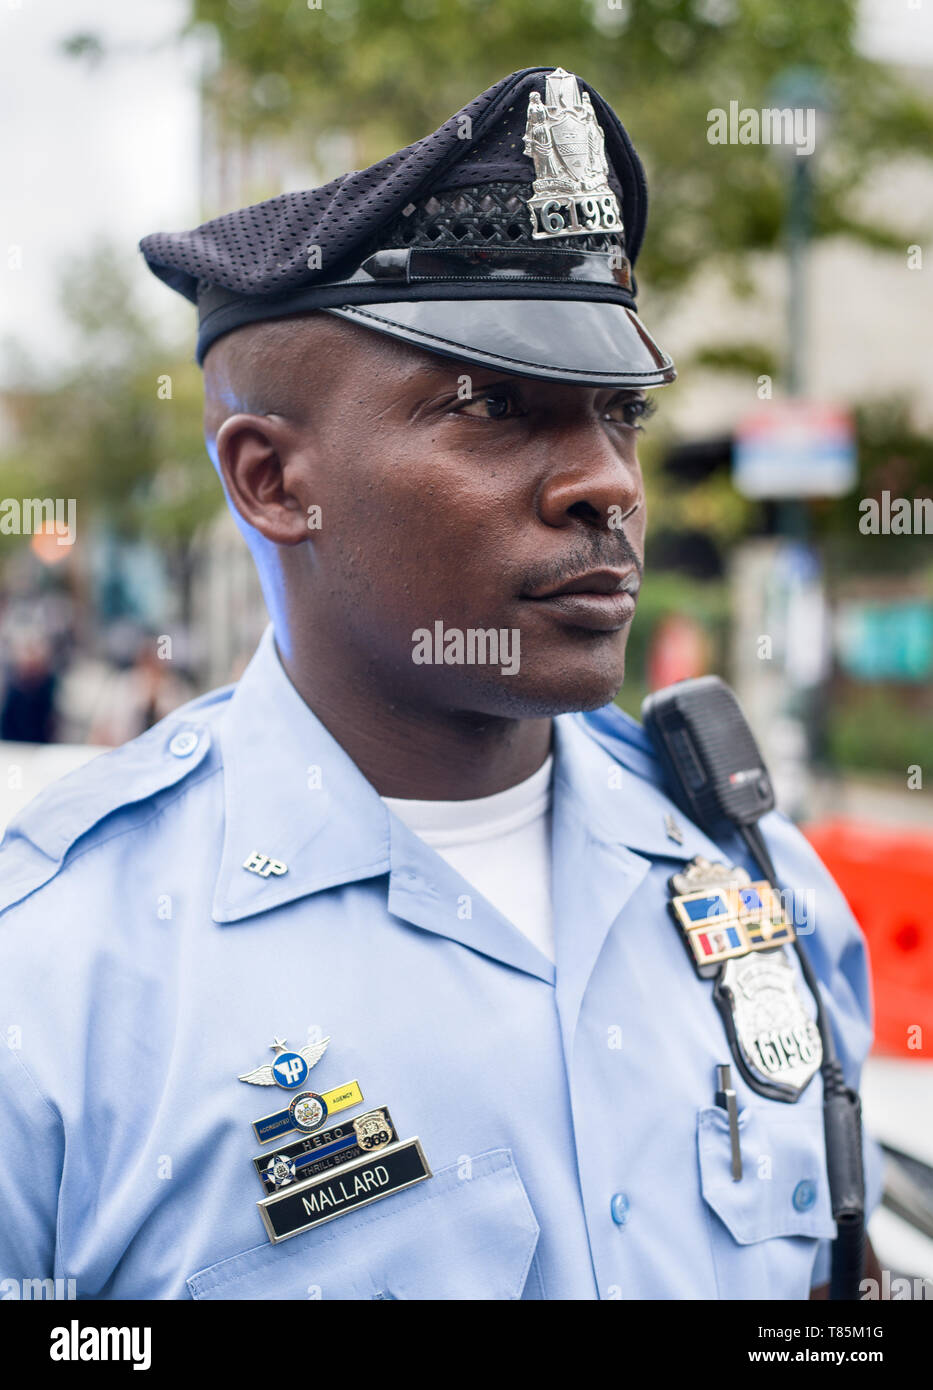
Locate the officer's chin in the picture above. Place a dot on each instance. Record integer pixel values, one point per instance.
(579, 670)
(556, 687)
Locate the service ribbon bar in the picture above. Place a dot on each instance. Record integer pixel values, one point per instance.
(307, 1112)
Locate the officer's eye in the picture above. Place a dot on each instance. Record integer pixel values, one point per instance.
(630, 410)
(498, 404)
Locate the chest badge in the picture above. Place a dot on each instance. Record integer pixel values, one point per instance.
(736, 932)
(760, 998)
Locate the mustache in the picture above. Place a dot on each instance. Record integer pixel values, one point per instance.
(599, 552)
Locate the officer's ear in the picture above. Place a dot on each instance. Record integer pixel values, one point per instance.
(264, 467)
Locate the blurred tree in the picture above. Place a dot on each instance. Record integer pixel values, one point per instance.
(379, 74)
(389, 72)
(893, 456)
(382, 74)
(122, 432)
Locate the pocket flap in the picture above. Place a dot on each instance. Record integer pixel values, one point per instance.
(784, 1189)
(469, 1233)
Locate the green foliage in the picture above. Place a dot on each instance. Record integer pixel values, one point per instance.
(88, 47)
(385, 73)
(390, 72)
(892, 456)
(745, 359)
(876, 729)
(665, 595)
(103, 435)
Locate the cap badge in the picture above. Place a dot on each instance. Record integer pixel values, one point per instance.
(571, 193)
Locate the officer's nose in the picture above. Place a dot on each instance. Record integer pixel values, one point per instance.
(592, 477)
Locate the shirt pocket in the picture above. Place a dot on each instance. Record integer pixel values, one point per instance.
(468, 1232)
(765, 1229)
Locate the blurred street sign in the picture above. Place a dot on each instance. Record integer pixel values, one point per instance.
(794, 448)
(890, 641)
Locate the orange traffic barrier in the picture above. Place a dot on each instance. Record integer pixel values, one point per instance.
(886, 875)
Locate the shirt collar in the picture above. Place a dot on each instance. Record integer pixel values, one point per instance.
(610, 824)
(295, 796)
(292, 794)
(622, 807)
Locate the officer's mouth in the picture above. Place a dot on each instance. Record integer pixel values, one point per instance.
(600, 600)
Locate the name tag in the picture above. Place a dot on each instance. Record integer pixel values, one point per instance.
(310, 1203)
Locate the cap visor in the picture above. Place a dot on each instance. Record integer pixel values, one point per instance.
(585, 342)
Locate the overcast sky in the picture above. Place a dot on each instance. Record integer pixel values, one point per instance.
(112, 150)
(88, 151)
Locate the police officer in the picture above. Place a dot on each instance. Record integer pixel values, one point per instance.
(358, 979)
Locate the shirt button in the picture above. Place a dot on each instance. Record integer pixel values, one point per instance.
(620, 1206)
(183, 744)
(804, 1195)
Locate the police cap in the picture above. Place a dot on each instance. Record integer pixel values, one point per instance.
(506, 238)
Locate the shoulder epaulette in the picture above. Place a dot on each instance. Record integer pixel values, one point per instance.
(39, 838)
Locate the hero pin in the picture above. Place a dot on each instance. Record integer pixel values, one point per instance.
(325, 1150)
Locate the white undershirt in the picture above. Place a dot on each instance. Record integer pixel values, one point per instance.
(501, 844)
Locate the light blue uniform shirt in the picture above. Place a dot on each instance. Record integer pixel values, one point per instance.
(567, 1110)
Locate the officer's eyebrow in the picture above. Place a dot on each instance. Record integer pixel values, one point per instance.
(519, 386)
